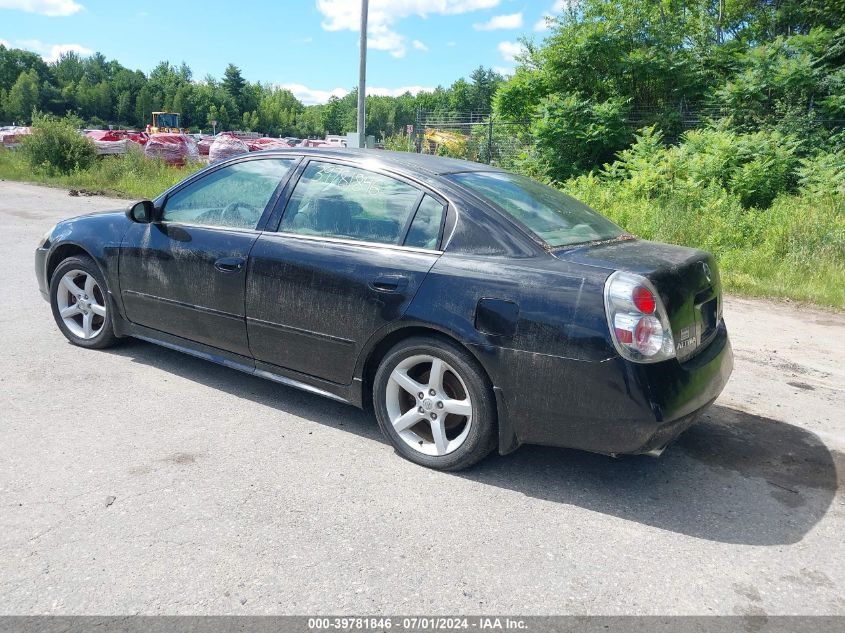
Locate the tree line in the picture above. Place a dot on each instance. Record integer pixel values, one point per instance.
(104, 92)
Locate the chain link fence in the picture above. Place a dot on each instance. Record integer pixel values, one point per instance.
(476, 136)
(485, 138)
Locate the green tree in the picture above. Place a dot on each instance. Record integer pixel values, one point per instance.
(249, 121)
(23, 98)
(460, 99)
(123, 107)
(102, 101)
(484, 83)
(69, 68)
(144, 107)
(233, 82)
(332, 116)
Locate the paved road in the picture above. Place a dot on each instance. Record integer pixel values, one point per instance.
(237, 495)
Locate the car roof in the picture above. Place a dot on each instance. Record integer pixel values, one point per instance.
(407, 161)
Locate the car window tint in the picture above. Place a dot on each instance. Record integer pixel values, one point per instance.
(347, 202)
(234, 196)
(425, 229)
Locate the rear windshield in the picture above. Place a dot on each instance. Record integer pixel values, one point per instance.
(554, 217)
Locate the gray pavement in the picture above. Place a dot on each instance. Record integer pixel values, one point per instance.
(139, 480)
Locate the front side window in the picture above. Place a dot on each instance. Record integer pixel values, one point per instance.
(233, 196)
(340, 201)
(554, 217)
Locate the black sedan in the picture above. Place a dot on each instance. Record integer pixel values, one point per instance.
(472, 308)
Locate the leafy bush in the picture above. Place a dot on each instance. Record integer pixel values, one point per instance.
(766, 164)
(56, 146)
(131, 176)
(823, 175)
(573, 134)
(755, 167)
(399, 143)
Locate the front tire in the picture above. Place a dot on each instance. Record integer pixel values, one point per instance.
(434, 404)
(80, 303)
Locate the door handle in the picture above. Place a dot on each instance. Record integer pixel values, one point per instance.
(229, 264)
(389, 283)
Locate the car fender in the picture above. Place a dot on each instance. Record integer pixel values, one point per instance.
(100, 235)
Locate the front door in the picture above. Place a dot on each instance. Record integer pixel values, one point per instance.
(352, 249)
(185, 275)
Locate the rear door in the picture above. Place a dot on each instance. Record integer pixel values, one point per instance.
(186, 274)
(352, 248)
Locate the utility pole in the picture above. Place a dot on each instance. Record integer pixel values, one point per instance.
(362, 77)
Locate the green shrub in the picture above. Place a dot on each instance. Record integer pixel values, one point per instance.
(573, 134)
(130, 176)
(823, 175)
(767, 163)
(756, 167)
(56, 146)
(776, 223)
(399, 143)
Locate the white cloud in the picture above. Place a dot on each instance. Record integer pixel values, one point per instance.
(510, 50)
(312, 96)
(52, 52)
(52, 8)
(57, 50)
(419, 45)
(511, 21)
(504, 70)
(345, 15)
(395, 92)
(5, 43)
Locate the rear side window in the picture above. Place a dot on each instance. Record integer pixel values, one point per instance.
(554, 217)
(233, 196)
(425, 229)
(347, 202)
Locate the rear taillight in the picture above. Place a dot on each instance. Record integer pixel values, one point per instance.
(637, 319)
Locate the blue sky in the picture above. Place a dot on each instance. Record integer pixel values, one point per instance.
(309, 46)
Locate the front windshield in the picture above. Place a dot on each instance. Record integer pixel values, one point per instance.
(167, 119)
(554, 217)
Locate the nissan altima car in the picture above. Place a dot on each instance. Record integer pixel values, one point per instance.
(471, 308)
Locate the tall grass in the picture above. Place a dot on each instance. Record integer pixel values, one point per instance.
(793, 248)
(131, 176)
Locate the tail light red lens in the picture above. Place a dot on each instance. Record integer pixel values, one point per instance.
(638, 321)
(644, 300)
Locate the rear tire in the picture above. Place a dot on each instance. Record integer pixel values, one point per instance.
(79, 298)
(434, 404)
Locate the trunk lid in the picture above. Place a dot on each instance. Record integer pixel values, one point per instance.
(686, 279)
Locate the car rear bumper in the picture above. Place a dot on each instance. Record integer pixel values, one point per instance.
(610, 407)
(41, 272)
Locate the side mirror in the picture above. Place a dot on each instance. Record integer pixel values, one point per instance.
(142, 212)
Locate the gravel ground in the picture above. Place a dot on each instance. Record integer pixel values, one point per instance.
(139, 480)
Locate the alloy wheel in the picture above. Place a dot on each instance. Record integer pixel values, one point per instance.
(429, 405)
(81, 303)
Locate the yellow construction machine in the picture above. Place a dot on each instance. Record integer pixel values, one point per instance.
(165, 123)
